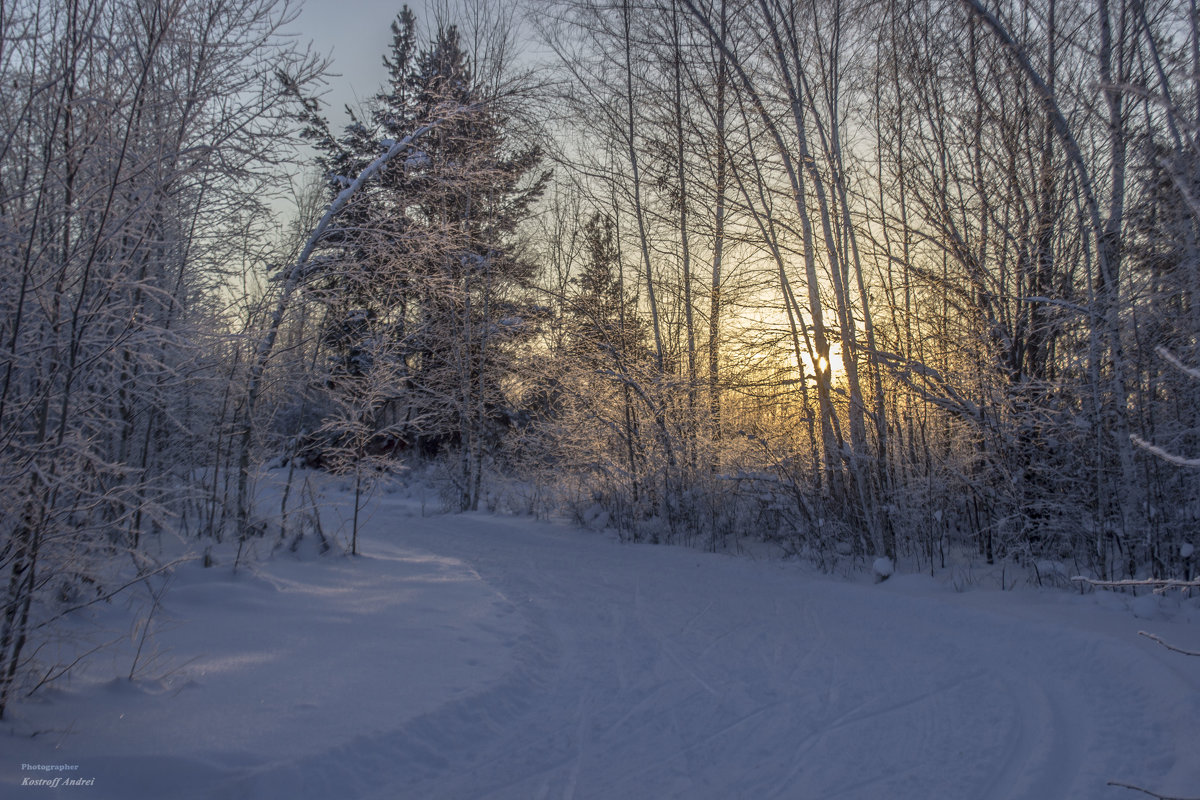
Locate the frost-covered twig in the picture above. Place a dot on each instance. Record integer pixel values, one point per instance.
(1165, 455)
(1174, 361)
(54, 673)
(1170, 647)
(1053, 301)
(1159, 585)
(106, 596)
(1147, 791)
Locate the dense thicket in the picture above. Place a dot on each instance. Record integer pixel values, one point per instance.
(964, 230)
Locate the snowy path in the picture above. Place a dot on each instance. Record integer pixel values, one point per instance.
(660, 672)
(612, 671)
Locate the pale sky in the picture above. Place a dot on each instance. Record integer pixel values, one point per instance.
(356, 34)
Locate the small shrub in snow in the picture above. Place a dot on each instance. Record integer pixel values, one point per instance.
(883, 569)
(595, 517)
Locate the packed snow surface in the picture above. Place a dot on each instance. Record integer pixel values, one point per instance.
(470, 656)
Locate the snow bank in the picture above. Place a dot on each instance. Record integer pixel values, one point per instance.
(287, 664)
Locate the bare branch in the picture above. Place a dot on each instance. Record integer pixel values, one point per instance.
(1159, 585)
(1174, 361)
(1147, 791)
(1165, 455)
(1170, 647)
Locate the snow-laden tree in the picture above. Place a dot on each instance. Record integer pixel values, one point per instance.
(422, 269)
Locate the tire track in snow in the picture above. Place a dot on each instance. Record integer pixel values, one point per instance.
(1041, 761)
(633, 681)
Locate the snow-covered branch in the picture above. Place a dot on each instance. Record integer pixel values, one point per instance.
(1174, 361)
(1147, 791)
(1165, 455)
(1158, 585)
(1054, 301)
(1169, 646)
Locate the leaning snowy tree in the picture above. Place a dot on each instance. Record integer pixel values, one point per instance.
(420, 276)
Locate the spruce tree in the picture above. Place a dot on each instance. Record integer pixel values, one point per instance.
(421, 280)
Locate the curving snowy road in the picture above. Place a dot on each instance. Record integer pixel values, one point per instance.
(613, 671)
(651, 672)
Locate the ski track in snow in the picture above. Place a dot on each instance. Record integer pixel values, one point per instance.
(615, 671)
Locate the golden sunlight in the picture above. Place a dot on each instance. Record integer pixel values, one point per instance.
(833, 363)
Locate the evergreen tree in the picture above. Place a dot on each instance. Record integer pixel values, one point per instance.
(603, 317)
(422, 270)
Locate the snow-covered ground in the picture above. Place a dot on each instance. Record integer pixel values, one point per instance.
(469, 656)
